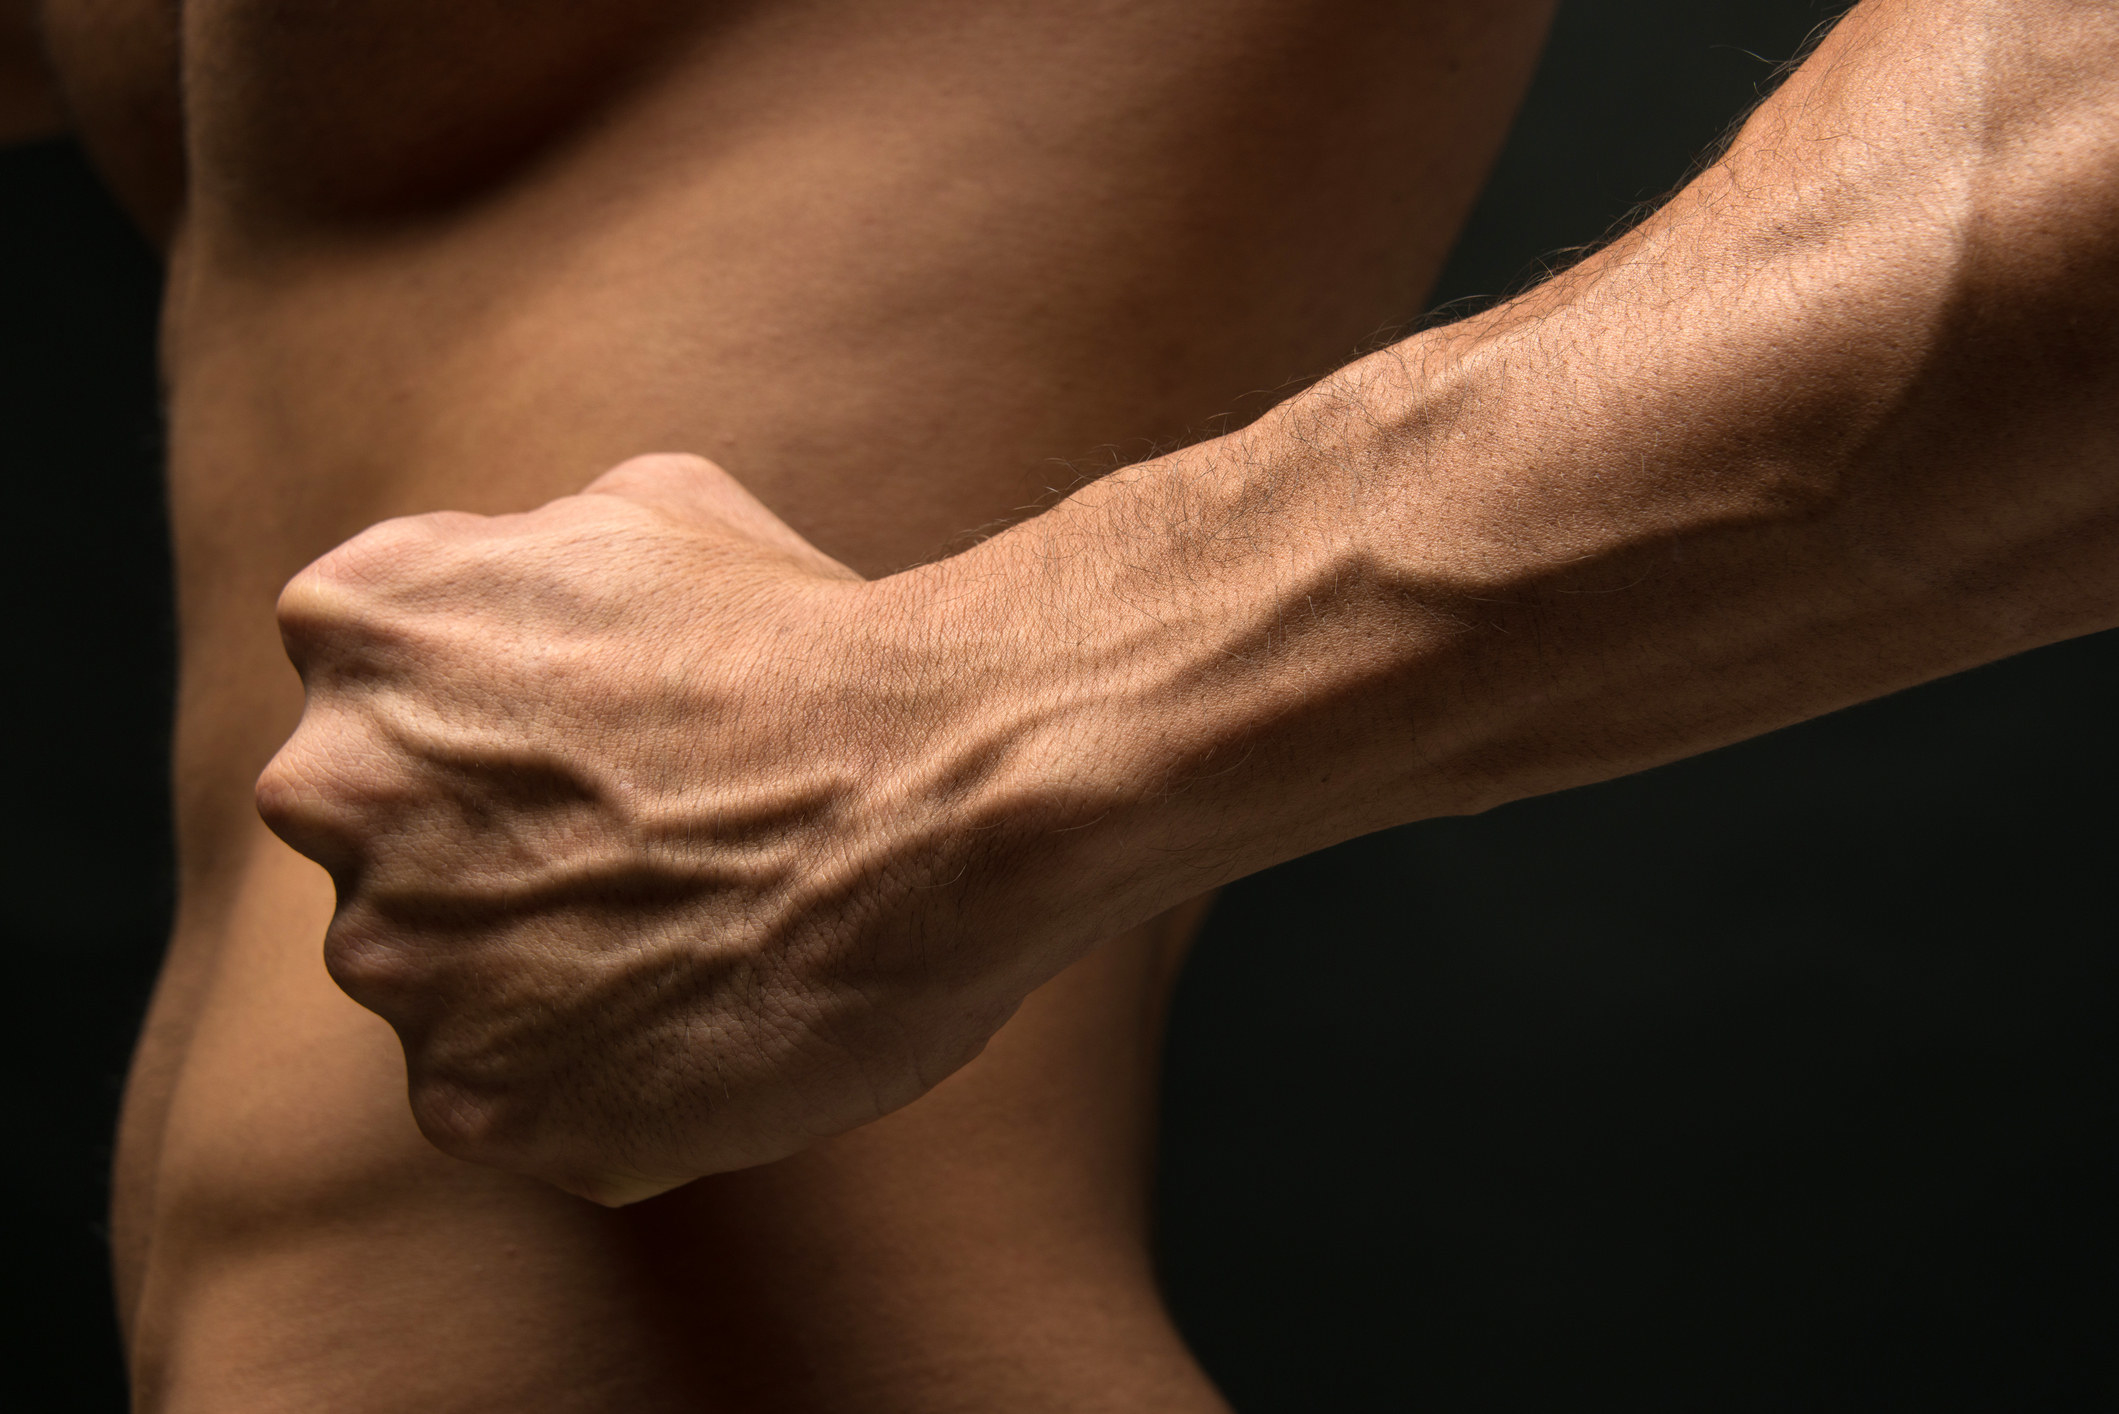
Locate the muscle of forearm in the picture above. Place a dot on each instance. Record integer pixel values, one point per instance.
(1842, 417)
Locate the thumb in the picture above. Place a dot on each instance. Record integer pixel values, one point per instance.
(698, 492)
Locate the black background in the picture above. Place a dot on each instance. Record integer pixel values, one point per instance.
(1778, 1079)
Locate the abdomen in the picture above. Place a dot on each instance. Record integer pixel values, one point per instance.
(905, 272)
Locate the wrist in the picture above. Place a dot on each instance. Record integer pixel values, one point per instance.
(1164, 670)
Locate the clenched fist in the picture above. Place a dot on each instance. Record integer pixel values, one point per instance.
(667, 844)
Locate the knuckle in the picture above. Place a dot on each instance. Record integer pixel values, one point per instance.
(480, 1116)
(370, 967)
(293, 800)
(311, 604)
(445, 525)
(647, 473)
(460, 1120)
(280, 795)
(388, 546)
(333, 586)
(355, 609)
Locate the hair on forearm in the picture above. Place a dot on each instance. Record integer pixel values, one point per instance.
(1559, 261)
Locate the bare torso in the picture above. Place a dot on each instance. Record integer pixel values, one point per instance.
(901, 270)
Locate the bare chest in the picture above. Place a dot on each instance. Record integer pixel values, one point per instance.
(359, 109)
(343, 106)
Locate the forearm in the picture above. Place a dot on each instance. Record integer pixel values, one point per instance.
(670, 846)
(1837, 420)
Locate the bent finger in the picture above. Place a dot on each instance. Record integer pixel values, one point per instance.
(294, 801)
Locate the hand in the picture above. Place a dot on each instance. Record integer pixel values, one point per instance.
(650, 825)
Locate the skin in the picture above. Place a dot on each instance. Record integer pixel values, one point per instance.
(29, 109)
(907, 271)
(668, 846)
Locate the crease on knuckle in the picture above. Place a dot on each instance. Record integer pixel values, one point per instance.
(369, 967)
(460, 1120)
(331, 588)
(311, 605)
(294, 805)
